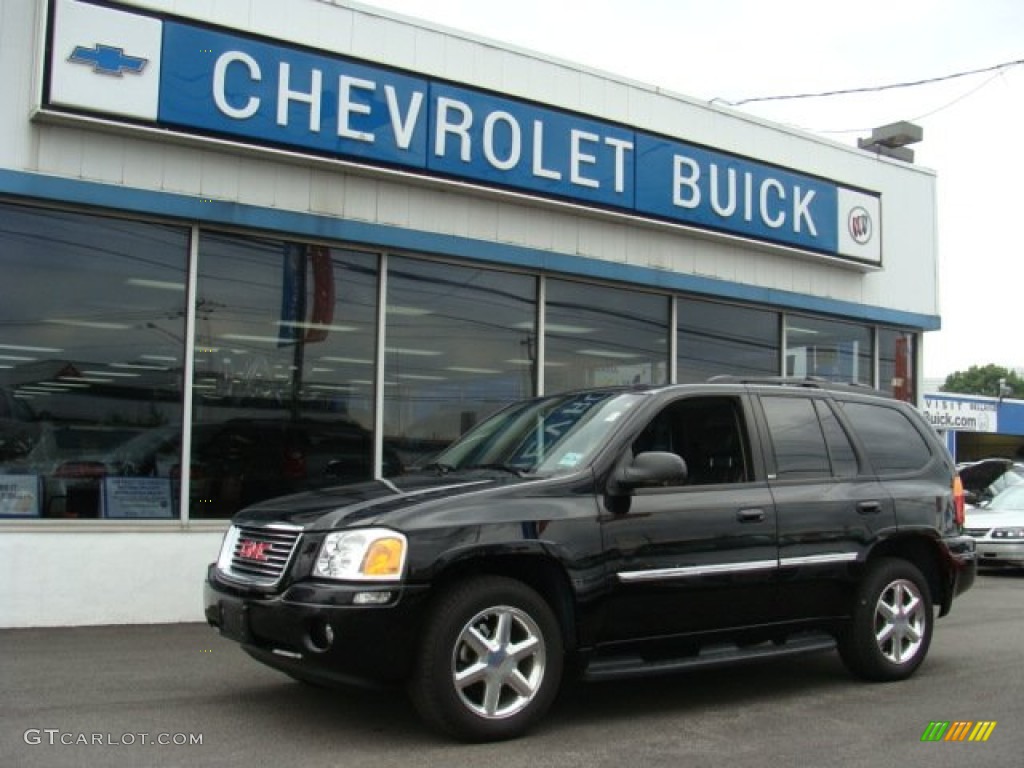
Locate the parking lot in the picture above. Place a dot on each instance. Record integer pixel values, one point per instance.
(179, 695)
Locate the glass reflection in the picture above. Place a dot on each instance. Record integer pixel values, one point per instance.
(829, 349)
(896, 371)
(460, 344)
(599, 336)
(283, 385)
(715, 339)
(91, 356)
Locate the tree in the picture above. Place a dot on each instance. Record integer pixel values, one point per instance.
(984, 380)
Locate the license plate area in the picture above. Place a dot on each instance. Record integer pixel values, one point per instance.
(234, 621)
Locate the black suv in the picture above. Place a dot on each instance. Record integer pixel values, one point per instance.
(614, 532)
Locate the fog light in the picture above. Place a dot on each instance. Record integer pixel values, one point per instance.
(321, 636)
(371, 598)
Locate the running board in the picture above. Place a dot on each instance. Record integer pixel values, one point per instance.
(615, 667)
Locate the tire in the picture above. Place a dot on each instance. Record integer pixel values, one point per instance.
(890, 630)
(490, 661)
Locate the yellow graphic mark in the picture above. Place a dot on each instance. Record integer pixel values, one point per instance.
(982, 730)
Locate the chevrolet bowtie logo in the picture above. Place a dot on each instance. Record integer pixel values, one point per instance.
(108, 60)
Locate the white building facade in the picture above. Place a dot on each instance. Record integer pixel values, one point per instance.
(260, 247)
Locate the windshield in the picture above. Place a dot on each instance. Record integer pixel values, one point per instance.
(556, 434)
(1011, 498)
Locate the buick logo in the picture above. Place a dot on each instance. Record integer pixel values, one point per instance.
(253, 550)
(859, 224)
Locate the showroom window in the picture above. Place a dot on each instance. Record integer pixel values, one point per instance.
(602, 336)
(896, 363)
(829, 349)
(715, 339)
(92, 329)
(460, 343)
(283, 387)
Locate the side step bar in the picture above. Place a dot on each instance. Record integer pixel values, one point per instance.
(616, 667)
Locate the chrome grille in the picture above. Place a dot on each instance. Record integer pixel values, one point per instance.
(976, 532)
(259, 554)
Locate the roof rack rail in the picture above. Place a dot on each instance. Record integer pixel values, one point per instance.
(813, 382)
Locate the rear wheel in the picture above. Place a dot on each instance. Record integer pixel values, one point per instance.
(490, 662)
(890, 631)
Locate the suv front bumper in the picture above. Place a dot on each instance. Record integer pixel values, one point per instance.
(316, 631)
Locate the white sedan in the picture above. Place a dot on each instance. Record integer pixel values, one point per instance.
(998, 528)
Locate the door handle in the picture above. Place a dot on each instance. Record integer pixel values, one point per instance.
(753, 515)
(869, 508)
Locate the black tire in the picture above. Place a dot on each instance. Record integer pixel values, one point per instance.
(476, 697)
(890, 630)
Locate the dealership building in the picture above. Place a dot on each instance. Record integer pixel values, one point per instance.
(256, 247)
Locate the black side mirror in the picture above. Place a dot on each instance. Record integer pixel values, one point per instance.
(653, 468)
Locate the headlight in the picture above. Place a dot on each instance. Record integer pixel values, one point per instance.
(1008, 533)
(367, 554)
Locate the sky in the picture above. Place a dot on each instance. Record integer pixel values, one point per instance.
(731, 50)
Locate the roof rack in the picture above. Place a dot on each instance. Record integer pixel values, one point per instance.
(812, 382)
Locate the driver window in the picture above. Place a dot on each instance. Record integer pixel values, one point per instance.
(707, 433)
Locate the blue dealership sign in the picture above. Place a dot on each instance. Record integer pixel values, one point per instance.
(212, 82)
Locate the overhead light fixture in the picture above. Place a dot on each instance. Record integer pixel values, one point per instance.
(607, 353)
(163, 285)
(349, 360)
(316, 326)
(892, 140)
(556, 328)
(118, 374)
(460, 369)
(408, 311)
(96, 324)
(140, 366)
(412, 352)
(331, 387)
(253, 338)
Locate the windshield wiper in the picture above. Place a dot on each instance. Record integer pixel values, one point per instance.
(440, 466)
(517, 471)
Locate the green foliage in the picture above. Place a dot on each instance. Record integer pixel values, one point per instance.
(984, 380)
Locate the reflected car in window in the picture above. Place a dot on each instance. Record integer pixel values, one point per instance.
(70, 460)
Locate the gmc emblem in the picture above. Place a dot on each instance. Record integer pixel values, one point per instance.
(253, 550)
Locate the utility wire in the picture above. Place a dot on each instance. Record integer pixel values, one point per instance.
(871, 89)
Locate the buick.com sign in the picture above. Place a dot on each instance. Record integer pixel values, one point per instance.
(961, 414)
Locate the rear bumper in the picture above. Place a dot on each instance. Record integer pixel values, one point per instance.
(963, 559)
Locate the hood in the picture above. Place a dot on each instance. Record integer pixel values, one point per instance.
(979, 475)
(330, 508)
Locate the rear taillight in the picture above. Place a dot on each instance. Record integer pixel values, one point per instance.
(958, 501)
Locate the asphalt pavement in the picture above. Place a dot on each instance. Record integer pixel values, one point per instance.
(179, 695)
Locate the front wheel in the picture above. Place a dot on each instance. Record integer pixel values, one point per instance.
(490, 662)
(890, 630)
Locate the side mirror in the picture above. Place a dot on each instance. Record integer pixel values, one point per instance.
(653, 468)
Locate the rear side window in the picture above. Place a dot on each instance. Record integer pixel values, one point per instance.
(796, 437)
(844, 459)
(892, 441)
